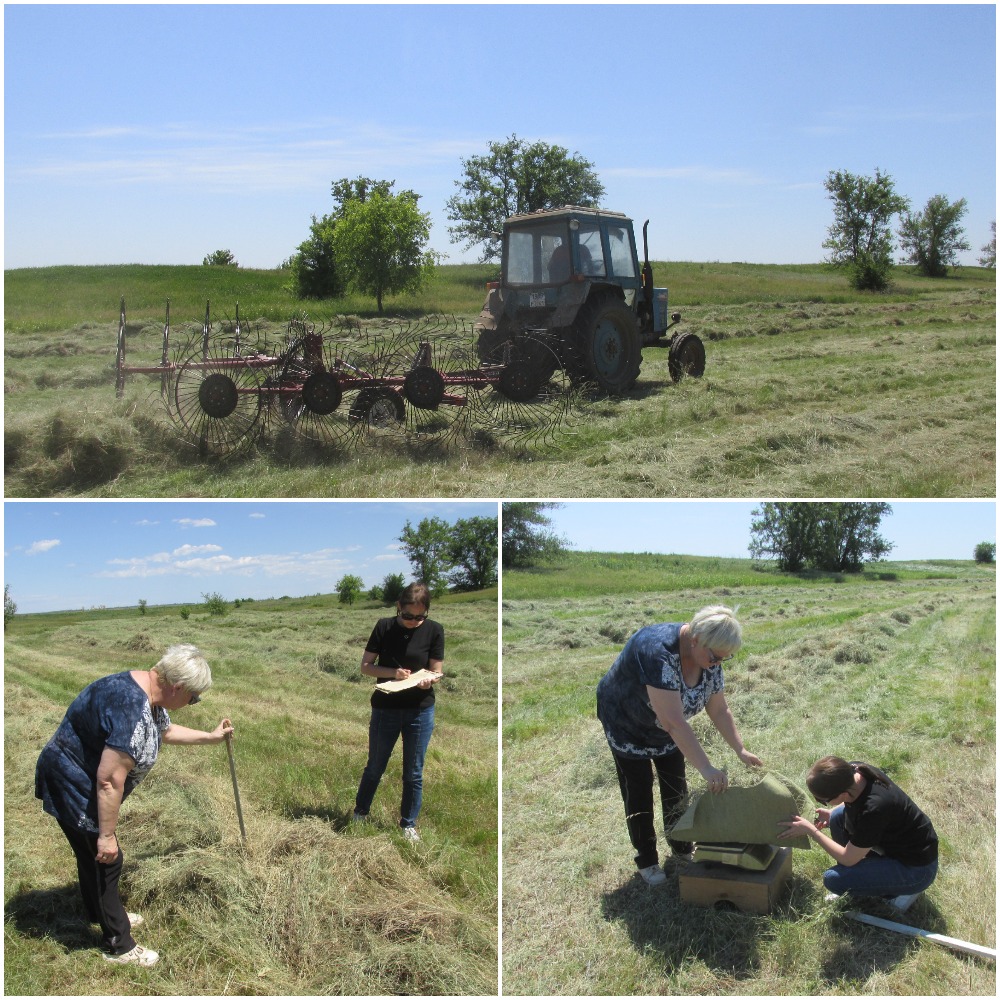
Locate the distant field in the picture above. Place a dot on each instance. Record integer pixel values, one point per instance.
(311, 905)
(895, 666)
(810, 390)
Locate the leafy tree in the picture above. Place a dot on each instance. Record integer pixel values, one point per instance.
(313, 269)
(860, 239)
(185, 613)
(142, 605)
(835, 537)
(474, 553)
(9, 607)
(215, 604)
(361, 189)
(989, 250)
(932, 238)
(380, 245)
(350, 588)
(516, 177)
(376, 593)
(986, 552)
(428, 547)
(220, 258)
(526, 538)
(392, 586)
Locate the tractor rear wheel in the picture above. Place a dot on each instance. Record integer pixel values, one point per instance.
(686, 357)
(607, 340)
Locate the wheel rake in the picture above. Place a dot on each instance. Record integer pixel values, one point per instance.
(347, 383)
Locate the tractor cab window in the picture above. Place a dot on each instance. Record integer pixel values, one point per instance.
(591, 252)
(622, 258)
(538, 255)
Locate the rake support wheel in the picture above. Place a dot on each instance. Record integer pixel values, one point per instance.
(686, 357)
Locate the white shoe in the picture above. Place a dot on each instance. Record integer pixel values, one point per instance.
(831, 897)
(653, 875)
(903, 903)
(410, 833)
(139, 955)
(360, 818)
(135, 920)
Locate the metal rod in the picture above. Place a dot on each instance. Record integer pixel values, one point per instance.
(236, 787)
(948, 942)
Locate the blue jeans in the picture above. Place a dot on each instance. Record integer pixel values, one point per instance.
(874, 875)
(415, 725)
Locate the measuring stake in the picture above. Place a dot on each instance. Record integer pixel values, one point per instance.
(949, 942)
(236, 788)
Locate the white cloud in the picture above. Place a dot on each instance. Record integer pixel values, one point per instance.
(195, 522)
(190, 550)
(257, 516)
(145, 523)
(43, 546)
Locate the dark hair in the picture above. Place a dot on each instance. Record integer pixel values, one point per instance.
(416, 593)
(832, 776)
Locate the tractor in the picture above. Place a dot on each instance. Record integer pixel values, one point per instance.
(572, 295)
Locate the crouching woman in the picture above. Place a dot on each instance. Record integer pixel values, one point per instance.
(882, 843)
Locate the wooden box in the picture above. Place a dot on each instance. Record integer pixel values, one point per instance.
(708, 884)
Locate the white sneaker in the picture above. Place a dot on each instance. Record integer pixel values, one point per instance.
(360, 818)
(410, 833)
(139, 955)
(135, 920)
(831, 897)
(903, 903)
(653, 875)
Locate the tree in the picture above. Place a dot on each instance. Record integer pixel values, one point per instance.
(392, 586)
(9, 607)
(350, 588)
(835, 537)
(932, 238)
(220, 258)
(860, 239)
(376, 593)
(989, 250)
(474, 553)
(380, 245)
(516, 177)
(986, 552)
(428, 547)
(215, 604)
(142, 605)
(313, 269)
(526, 540)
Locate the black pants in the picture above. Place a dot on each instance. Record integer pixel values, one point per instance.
(636, 780)
(99, 886)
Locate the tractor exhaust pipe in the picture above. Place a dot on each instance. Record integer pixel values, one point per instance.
(647, 271)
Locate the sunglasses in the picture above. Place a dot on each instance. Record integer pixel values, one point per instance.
(407, 617)
(194, 699)
(715, 658)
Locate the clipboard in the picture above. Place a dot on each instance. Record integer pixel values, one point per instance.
(412, 681)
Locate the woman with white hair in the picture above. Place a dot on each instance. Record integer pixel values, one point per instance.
(664, 675)
(105, 745)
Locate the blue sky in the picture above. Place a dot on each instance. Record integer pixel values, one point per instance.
(157, 134)
(919, 529)
(60, 556)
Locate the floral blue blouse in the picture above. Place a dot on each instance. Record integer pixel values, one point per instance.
(651, 658)
(114, 712)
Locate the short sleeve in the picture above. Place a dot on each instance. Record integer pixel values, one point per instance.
(375, 639)
(436, 652)
(870, 827)
(658, 666)
(121, 716)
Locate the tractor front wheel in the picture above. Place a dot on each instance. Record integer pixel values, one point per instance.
(686, 357)
(607, 341)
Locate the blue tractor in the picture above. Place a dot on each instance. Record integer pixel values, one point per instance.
(573, 296)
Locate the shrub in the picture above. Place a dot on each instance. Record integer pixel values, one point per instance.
(215, 604)
(220, 258)
(986, 552)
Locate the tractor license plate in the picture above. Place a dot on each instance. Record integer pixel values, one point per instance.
(537, 300)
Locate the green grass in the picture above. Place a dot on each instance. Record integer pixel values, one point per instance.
(310, 905)
(810, 390)
(895, 666)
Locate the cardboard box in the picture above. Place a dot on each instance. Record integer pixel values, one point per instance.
(709, 884)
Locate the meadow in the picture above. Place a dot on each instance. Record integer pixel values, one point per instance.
(895, 665)
(810, 389)
(309, 904)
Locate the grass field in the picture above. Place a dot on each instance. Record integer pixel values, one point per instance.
(895, 666)
(310, 905)
(810, 390)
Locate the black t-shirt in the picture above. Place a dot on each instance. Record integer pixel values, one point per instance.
(411, 648)
(886, 817)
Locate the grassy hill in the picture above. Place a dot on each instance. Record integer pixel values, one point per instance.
(894, 666)
(309, 905)
(810, 389)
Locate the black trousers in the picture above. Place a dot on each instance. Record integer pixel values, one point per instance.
(635, 777)
(99, 887)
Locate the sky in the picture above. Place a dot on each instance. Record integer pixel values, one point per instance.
(918, 529)
(157, 134)
(66, 556)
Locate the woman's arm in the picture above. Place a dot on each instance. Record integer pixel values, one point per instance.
(112, 770)
(670, 713)
(181, 736)
(844, 854)
(369, 669)
(436, 666)
(719, 712)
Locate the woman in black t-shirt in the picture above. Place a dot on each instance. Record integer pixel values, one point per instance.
(882, 842)
(398, 647)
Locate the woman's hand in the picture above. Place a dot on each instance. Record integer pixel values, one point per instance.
(107, 849)
(750, 758)
(428, 681)
(797, 826)
(222, 730)
(822, 820)
(716, 780)
(401, 674)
